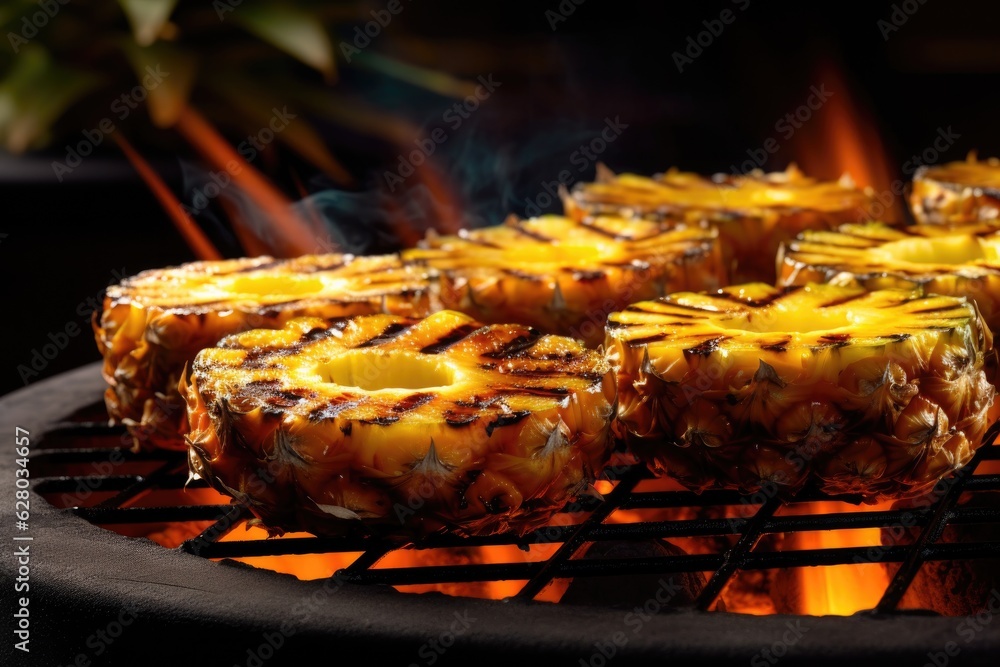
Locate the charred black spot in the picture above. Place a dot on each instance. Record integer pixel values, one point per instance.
(390, 332)
(285, 399)
(317, 333)
(523, 275)
(897, 338)
(707, 347)
(380, 421)
(452, 337)
(506, 420)
(635, 342)
(836, 340)
(413, 401)
(457, 419)
(780, 346)
(332, 408)
(347, 428)
(516, 346)
(588, 276)
(842, 300)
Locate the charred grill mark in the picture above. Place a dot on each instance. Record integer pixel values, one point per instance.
(633, 342)
(841, 301)
(587, 276)
(478, 402)
(780, 346)
(380, 421)
(754, 303)
(523, 275)
(707, 347)
(413, 401)
(898, 337)
(835, 340)
(317, 333)
(457, 419)
(259, 267)
(389, 333)
(531, 234)
(607, 232)
(475, 240)
(506, 420)
(451, 338)
(554, 372)
(332, 409)
(332, 265)
(515, 347)
(284, 399)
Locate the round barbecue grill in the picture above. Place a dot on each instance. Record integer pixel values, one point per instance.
(96, 595)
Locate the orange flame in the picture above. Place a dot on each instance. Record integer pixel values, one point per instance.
(842, 138)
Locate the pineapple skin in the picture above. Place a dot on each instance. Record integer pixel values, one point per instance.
(957, 193)
(754, 213)
(850, 256)
(882, 412)
(153, 324)
(522, 428)
(525, 271)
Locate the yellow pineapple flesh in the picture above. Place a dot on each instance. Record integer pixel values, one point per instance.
(877, 393)
(955, 261)
(754, 212)
(154, 323)
(957, 193)
(398, 426)
(565, 276)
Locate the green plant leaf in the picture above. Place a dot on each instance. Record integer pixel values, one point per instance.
(292, 30)
(34, 93)
(147, 17)
(168, 72)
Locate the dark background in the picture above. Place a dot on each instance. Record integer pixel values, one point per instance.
(66, 241)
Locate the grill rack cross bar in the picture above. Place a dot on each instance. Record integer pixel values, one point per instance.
(99, 443)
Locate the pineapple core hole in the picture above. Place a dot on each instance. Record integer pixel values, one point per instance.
(370, 370)
(269, 285)
(943, 250)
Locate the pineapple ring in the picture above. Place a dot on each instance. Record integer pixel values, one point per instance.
(957, 193)
(563, 276)
(754, 213)
(954, 261)
(155, 322)
(400, 426)
(876, 393)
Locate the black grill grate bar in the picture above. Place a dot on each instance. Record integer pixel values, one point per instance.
(948, 491)
(983, 482)
(180, 513)
(733, 557)
(611, 502)
(224, 523)
(288, 546)
(634, 531)
(77, 483)
(84, 429)
(438, 574)
(98, 455)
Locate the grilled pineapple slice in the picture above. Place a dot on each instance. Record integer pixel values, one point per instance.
(563, 276)
(754, 213)
(155, 322)
(878, 393)
(956, 261)
(400, 426)
(957, 193)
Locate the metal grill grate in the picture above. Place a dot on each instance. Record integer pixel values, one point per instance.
(87, 442)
